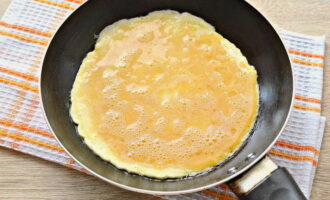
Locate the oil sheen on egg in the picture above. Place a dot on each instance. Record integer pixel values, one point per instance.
(164, 95)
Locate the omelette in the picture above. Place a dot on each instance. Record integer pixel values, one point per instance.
(164, 95)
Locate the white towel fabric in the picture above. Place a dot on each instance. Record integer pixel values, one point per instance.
(27, 27)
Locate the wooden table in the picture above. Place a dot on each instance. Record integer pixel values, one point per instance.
(26, 177)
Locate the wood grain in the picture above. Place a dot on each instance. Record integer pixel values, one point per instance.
(26, 177)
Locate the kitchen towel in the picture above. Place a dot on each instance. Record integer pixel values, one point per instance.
(25, 31)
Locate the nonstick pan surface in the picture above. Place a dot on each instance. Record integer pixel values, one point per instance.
(236, 20)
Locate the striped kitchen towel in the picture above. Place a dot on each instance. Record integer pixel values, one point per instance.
(26, 29)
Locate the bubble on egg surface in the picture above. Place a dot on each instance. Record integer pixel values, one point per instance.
(121, 63)
(137, 89)
(109, 73)
(161, 121)
(149, 62)
(114, 114)
(186, 38)
(185, 60)
(145, 37)
(178, 124)
(159, 77)
(138, 108)
(165, 103)
(205, 47)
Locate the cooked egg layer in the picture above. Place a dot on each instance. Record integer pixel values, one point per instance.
(164, 95)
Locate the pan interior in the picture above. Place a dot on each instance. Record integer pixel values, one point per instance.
(234, 19)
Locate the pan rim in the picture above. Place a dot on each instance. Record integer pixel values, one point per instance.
(154, 192)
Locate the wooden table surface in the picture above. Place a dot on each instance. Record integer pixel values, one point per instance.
(26, 177)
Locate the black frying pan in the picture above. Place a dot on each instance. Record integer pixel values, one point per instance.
(234, 19)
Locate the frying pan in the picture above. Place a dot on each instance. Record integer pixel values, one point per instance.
(237, 21)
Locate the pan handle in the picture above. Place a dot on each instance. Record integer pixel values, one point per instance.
(267, 181)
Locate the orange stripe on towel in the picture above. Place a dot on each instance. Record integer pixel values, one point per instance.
(70, 161)
(309, 55)
(75, 1)
(21, 138)
(19, 84)
(311, 100)
(24, 127)
(293, 157)
(86, 172)
(60, 5)
(17, 103)
(23, 38)
(217, 195)
(306, 108)
(297, 147)
(19, 74)
(29, 113)
(25, 29)
(302, 62)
